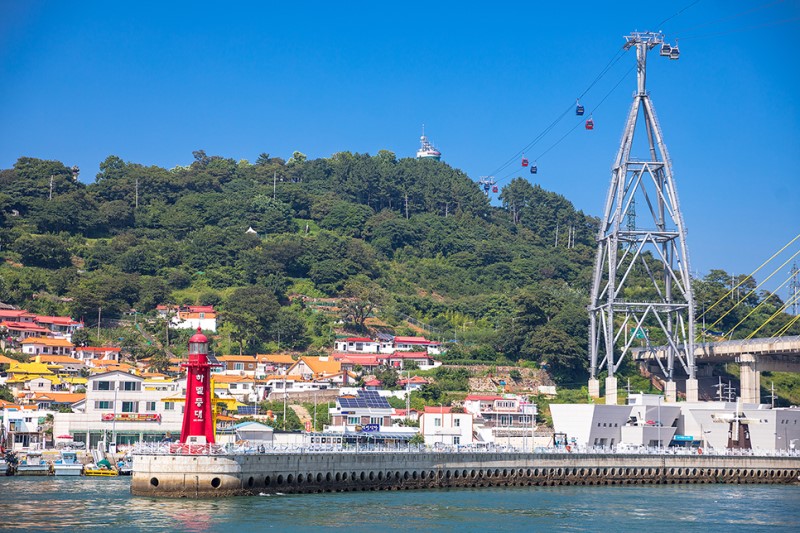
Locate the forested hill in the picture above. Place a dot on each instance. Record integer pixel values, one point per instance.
(400, 238)
(416, 237)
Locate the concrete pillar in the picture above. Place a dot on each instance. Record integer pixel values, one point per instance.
(671, 392)
(594, 388)
(749, 378)
(611, 390)
(692, 393)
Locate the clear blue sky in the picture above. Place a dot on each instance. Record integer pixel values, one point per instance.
(152, 81)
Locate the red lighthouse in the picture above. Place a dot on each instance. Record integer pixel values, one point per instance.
(198, 420)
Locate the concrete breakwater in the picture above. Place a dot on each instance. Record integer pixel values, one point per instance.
(203, 476)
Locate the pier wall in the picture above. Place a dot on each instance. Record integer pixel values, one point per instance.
(204, 476)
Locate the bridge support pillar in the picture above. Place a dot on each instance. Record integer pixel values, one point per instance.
(594, 388)
(670, 392)
(749, 378)
(611, 391)
(692, 394)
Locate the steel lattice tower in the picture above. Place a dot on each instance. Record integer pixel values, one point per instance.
(654, 248)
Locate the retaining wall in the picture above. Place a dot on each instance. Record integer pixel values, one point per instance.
(227, 475)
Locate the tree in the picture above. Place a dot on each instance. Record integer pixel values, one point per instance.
(250, 311)
(363, 296)
(47, 251)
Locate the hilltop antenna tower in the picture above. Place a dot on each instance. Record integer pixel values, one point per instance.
(657, 244)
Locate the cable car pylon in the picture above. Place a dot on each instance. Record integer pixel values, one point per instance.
(615, 321)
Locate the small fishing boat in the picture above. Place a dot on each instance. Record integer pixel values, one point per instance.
(100, 469)
(33, 465)
(68, 465)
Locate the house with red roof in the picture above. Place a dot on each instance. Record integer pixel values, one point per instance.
(361, 345)
(190, 316)
(91, 354)
(441, 426)
(59, 326)
(411, 344)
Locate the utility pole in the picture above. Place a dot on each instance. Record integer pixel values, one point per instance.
(649, 179)
(136, 196)
(50, 196)
(98, 325)
(274, 183)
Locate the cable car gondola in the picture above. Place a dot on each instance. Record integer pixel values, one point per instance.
(534, 168)
(524, 161)
(674, 52)
(666, 50)
(579, 109)
(590, 124)
(494, 189)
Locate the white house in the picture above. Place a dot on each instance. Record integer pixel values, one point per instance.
(440, 425)
(124, 407)
(46, 345)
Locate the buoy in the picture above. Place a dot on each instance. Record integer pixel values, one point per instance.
(699, 451)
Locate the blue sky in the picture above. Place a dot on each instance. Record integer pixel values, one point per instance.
(152, 81)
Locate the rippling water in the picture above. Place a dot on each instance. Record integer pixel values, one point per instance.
(49, 504)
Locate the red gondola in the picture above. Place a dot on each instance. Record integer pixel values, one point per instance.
(524, 161)
(494, 189)
(590, 124)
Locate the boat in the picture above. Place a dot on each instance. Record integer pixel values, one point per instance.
(125, 466)
(68, 465)
(101, 468)
(33, 465)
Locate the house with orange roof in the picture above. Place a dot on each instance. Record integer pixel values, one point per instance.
(312, 368)
(46, 345)
(65, 364)
(7, 360)
(237, 364)
(55, 400)
(273, 363)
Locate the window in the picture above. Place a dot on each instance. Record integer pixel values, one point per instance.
(233, 386)
(102, 405)
(169, 406)
(353, 420)
(130, 407)
(505, 420)
(375, 420)
(437, 422)
(238, 366)
(150, 406)
(130, 385)
(456, 440)
(457, 423)
(102, 385)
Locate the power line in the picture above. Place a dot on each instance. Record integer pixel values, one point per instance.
(676, 14)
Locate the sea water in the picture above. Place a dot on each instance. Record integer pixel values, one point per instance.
(76, 504)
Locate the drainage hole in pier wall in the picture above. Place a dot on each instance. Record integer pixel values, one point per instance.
(154, 481)
(289, 479)
(280, 479)
(250, 481)
(405, 475)
(328, 476)
(529, 472)
(266, 481)
(319, 477)
(472, 474)
(216, 482)
(414, 474)
(363, 476)
(505, 473)
(299, 478)
(423, 474)
(432, 474)
(447, 475)
(465, 473)
(455, 474)
(496, 472)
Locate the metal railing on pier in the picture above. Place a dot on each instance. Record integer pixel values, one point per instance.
(245, 449)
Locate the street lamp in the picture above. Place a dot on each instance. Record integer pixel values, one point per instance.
(658, 421)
